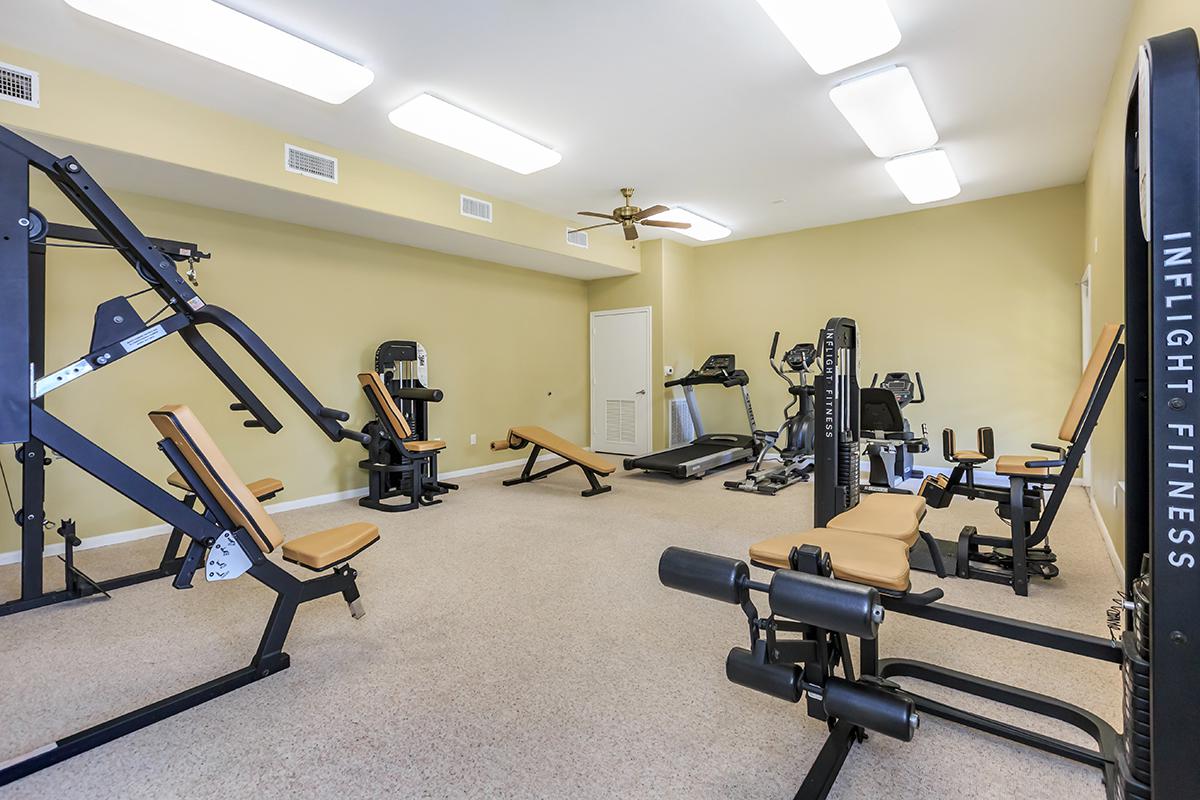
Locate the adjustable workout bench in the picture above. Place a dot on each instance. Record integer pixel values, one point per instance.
(592, 465)
(1026, 550)
(418, 458)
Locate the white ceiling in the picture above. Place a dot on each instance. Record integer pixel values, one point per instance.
(700, 103)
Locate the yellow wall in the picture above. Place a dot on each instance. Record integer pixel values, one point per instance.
(981, 298)
(323, 301)
(82, 106)
(1104, 239)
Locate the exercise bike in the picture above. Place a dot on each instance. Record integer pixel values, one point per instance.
(793, 441)
(890, 441)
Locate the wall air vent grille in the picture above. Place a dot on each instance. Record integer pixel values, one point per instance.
(680, 423)
(577, 238)
(474, 208)
(310, 164)
(18, 85)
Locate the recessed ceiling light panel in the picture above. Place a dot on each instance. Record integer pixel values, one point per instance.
(229, 37)
(834, 34)
(702, 229)
(886, 111)
(433, 118)
(924, 177)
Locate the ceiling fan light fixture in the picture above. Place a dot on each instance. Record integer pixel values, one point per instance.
(435, 119)
(219, 33)
(924, 177)
(886, 111)
(834, 34)
(705, 230)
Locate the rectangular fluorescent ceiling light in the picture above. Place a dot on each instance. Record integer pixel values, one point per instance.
(230, 37)
(428, 116)
(835, 34)
(703, 229)
(886, 111)
(924, 177)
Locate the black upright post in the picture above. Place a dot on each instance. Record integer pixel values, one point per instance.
(33, 454)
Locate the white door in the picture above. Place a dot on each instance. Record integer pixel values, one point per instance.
(1085, 314)
(621, 381)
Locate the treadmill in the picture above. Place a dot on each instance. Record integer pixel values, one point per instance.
(708, 450)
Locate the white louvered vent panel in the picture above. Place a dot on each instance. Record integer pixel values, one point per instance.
(18, 85)
(680, 424)
(620, 417)
(310, 164)
(577, 238)
(475, 208)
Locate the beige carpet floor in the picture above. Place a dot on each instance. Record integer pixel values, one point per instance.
(517, 644)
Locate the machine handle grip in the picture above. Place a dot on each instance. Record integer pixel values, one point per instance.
(252, 423)
(428, 395)
(238, 407)
(774, 345)
(333, 413)
(920, 391)
(874, 379)
(355, 436)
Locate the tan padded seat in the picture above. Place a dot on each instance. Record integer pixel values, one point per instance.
(555, 444)
(323, 549)
(259, 488)
(969, 455)
(859, 557)
(895, 502)
(878, 520)
(1015, 465)
(1087, 382)
(425, 446)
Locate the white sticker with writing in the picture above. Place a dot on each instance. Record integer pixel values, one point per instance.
(143, 338)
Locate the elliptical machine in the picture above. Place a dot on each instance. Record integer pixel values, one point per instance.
(794, 438)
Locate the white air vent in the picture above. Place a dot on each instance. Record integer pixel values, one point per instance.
(18, 85)
(474, 208)
(313, 165)
(577, 238)
(621, 421)
(680, 424)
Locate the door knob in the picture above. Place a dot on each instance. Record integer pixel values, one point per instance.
(640, 391)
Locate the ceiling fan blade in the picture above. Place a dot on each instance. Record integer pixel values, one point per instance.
(630, 233)
(649, 212)
(664, 224)
(595, 214)
(589, 227)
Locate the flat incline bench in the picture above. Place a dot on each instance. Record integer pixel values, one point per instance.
(592, 465)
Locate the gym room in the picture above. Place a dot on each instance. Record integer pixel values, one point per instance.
(691, 399)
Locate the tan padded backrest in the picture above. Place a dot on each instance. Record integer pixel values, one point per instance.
(373, 383)
(180, 425)
(1088, 381)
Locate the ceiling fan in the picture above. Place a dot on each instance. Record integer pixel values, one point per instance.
(630, 216)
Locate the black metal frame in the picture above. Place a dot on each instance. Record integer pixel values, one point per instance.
(528, 475)
(395, 471)
(23, 384)
(24, 420)
(1162, 422)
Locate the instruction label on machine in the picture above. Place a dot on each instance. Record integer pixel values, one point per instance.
(143, 338)
(226, 559)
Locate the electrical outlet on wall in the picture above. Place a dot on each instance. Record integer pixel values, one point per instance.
(473, 439)
(668, 371)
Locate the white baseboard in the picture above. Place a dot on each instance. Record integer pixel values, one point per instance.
(121, 537)
(1111, 548)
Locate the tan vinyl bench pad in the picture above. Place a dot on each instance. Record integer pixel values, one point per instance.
(323, 549)
(259, 488)
(555, 444)
(858, 557)
(1015, 465)
(878, 520)
(424, 445)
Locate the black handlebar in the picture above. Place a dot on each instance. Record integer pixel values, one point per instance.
(774, 345)
(920, 391)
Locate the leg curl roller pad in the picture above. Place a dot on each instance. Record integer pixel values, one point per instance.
(826, 603)
(777, 680)
(870, 707)
(715, 577)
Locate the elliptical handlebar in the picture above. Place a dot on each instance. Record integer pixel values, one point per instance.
(774, 345)
(920, 391)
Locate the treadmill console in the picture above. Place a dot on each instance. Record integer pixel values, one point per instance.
(717, 365)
